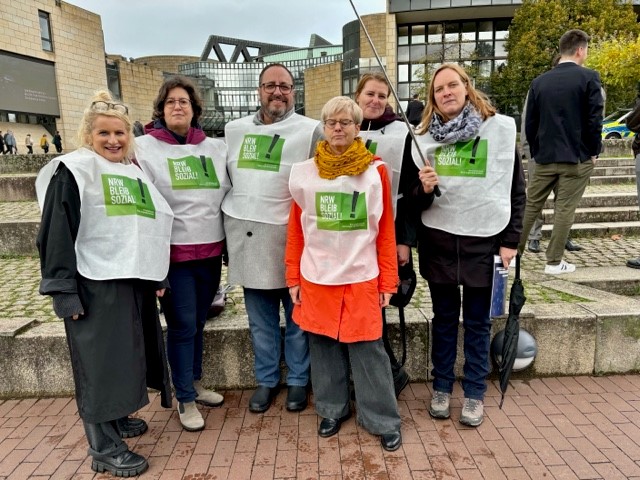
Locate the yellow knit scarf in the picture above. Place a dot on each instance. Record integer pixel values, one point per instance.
(352, 162)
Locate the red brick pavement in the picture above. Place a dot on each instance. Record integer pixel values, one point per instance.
(553, 428)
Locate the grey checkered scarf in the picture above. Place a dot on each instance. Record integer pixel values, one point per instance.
(464, 127)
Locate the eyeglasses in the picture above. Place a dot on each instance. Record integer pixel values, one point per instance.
(271, 87)
(172, 102)
(105, 106)
(331, 123)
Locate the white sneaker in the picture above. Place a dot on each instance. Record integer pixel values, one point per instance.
(472, 412)
(206, 397)
(439, 406)
(190, 417)
(562, 267)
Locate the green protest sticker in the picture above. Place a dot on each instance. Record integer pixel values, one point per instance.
(462, 159)
(341, 212)
(127, 196)
(193, 172)
(261, 152)
(371, 146)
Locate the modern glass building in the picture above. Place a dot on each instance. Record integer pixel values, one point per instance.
(230, 88)
(430, 32)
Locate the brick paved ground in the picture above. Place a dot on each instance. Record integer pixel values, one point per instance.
(553, 428)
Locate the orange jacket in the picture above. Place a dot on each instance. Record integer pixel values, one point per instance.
(348, 313)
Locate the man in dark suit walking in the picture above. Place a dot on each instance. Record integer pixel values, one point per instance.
(414, 111)
(563, 125)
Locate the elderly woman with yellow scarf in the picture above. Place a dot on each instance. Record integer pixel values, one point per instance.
(341, 269)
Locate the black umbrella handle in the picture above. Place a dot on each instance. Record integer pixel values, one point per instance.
(518, 266)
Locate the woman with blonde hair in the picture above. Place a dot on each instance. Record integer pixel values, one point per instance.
(104, 254)
(478, 217)
(341, 269)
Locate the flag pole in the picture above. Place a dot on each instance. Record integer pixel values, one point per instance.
(425, 162)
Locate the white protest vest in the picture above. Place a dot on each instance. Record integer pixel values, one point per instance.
(125, 223)
(340, 224)
(475, 179)
(259, 162)
(194, 180)
(388, 144)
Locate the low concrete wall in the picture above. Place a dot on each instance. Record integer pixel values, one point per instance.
(18, 237)
(18, 188)
(617, 148)
(24, 163)
(600, 337)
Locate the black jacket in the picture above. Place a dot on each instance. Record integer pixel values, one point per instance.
(564, 115)
(446, 258)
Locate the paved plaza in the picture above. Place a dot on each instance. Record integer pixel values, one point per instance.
(551, 428)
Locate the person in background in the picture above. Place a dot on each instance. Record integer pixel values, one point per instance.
(563, 125)
(104, 256)
(533, 244)
(57, 142)
(386, 135)
(28, 142)
(262, 149)
(10, 142)
(474, 156)
(44, 143)
(138, 128)
(414, 110)
(188, 168)
(341, 270)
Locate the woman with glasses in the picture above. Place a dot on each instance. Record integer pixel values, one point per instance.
(341, 269)
(387, 135)
(189, 169)
(104, 252)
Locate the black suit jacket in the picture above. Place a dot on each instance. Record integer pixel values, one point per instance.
(563, 121)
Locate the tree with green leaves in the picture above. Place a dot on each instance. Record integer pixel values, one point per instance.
(534, 34)
(617, 61)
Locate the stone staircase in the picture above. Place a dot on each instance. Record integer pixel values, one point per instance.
(609, 205)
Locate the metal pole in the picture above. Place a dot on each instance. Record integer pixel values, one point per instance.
(425, 162)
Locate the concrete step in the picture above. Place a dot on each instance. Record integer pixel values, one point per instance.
(598, 214)
(17, 187)
(604, 162)
(598, 229)
(595, 200)
(24, 163)
(611, 179)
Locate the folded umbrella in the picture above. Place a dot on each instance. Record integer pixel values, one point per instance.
(511, 331)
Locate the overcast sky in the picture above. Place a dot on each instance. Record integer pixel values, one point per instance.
(137, 28)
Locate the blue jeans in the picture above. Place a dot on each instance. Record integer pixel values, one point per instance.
(477, 336)
(193, 286)
(263, 309)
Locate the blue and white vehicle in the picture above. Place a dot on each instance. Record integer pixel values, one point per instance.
(614, 126)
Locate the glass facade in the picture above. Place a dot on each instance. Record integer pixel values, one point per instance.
(422, 47)
(230, 89)
(396, 6)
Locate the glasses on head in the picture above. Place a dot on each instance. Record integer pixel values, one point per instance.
(271, 87)
(331, 123)
(105, 106)
(172, 102)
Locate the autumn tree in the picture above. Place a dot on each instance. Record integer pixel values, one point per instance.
(535, 32)
(617, 61)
